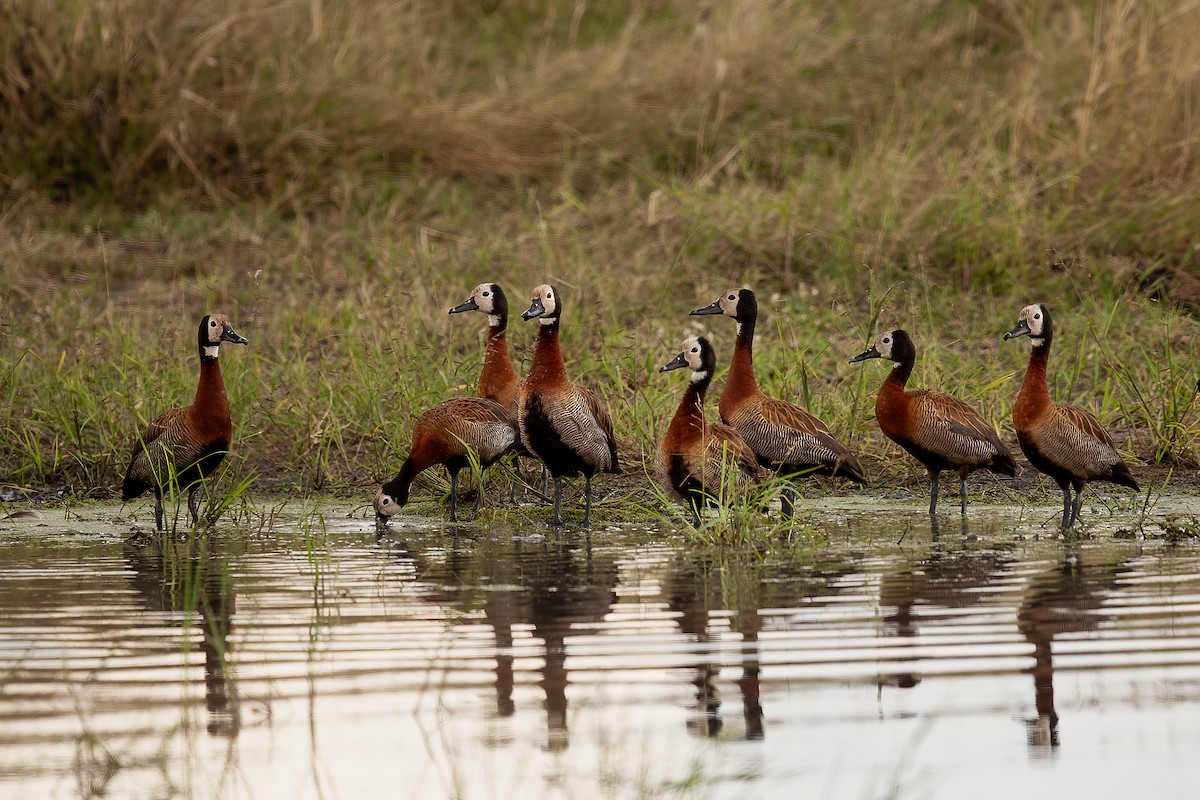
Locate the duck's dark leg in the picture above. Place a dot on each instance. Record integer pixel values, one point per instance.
(962, 491)
(158, 509)
(512, 486)
(587, 501)
(1075, 506)
(787, 502)
(478, 497)
(934, 474)
(558, 520)
(1066, 518)
(192, 504)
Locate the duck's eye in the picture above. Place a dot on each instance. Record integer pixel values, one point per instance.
(212, 323)
(695, 349)
(732, 297)
(886, 340)
(385, 501)
(1037, 316)
(487, 294)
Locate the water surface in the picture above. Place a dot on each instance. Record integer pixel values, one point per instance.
(311, 659)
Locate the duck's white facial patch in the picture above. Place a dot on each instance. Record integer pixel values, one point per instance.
(1033, 319)
(547, 320)
(699, 375)
(384, 504)
(212, 351)
(494, 320)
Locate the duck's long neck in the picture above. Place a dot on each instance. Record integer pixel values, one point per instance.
(691, 408)
(741, 367)
(398, 486)
(893, 400)
(900, 373)
(1033, 387)
(497, 367)
(547, 364)
(210, 391)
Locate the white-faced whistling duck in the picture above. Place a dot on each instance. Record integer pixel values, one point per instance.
(447, 434)
(785, 437)
(185, 445)
(694, 458)
(940, 431)
(498, 380)
(1065, 442)
(562, 424)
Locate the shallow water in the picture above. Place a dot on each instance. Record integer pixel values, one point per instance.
(314, 660)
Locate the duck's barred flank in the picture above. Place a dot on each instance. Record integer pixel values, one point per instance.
(1062, 441)
(562, 424)
(940, 431)
(694, 459)
(182, 446)
(784, 437)
(449, 434)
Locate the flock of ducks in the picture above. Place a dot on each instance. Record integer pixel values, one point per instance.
(546, 416)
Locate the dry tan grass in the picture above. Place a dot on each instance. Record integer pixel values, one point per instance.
(267, 97)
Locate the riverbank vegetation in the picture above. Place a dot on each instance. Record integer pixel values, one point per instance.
(336, 177)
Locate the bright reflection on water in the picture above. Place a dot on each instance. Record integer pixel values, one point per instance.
(315, 661)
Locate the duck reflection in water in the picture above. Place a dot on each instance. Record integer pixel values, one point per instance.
(947, 577)
(555, 587)
(565, 592)
(179, 579)
(696, 588)
(1062, 599)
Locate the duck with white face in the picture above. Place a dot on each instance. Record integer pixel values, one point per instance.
(938, 430)
(563, 424)
(1062, 441)
(498, 379)
(544, 306)
(697, 355)
(183, 446)
(785, 437)
(457, 434)
(488, 298)
(1034, 322)
(694, 459)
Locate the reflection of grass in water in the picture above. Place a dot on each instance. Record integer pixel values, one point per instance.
(900, 783)
(196, 585)
(319, 562)
(318, 559)
(95, 764)
(184, 574)
(628, 768)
